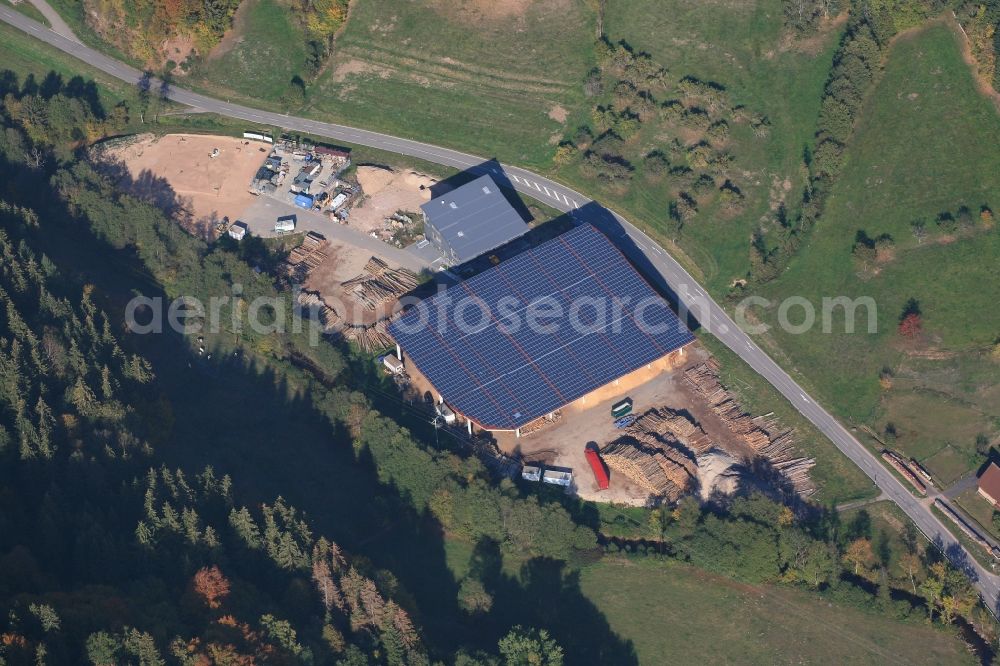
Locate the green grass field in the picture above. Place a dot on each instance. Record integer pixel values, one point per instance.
(673, 613)
(483, 82)
(925, 145)
(269, 51)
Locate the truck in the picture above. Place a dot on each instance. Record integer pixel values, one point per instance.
(284, 224)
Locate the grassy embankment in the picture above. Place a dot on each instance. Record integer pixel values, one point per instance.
(28, 10)
(924, 146)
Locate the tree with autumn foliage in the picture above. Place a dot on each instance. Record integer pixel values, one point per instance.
(860, 555)
(211, 586)
(910, 321)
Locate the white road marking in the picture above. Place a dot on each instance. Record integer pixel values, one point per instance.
(515, 178)
(657, 250)
(804, 398)
(576, 205)
(547, 191)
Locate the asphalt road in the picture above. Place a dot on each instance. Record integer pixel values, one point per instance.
(652, 258)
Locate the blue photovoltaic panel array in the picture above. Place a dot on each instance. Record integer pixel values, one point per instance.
(539, 330)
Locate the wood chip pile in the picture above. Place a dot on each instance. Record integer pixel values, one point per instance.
(661, 470)
(766, 437)
(378, 283)
(303, 259)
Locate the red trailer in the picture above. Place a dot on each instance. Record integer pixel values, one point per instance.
(596, 464)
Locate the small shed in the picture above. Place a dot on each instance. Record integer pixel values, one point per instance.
(303, 200)
(338, 201)
(392, 364)
(531, 473)
(237, 231)
(557, 477)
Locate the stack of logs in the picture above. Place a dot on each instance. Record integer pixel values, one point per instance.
(379, 283)
(303, 259)
(766, 438)
(661, 470)
(666, 421)
(540, 423)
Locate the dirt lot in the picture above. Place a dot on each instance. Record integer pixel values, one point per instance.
(177, 173)
(387, 191)
(344, 262)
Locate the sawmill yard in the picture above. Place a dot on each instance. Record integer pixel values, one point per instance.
(691, 436)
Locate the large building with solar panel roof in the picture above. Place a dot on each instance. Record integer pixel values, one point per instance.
(539, 331)
(471, 220)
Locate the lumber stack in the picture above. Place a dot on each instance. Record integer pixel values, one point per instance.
(649, 467)
(378, 283)
(767, 439)
(303, 259)
(370, 338)
(665, 421)
(540, 423)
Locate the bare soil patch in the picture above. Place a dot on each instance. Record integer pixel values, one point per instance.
(178, 48)
(355, 66)
(386, 192)
(558, 114)
(177, 173)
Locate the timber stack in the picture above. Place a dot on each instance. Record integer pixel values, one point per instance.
(767, 439)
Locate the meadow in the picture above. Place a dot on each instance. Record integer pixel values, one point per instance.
(923, 148)
(675, 612)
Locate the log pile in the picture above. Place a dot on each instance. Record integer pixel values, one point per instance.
(767, 440)
(312, 302)
(370, 338)
(650, 466)
(540, 423)
(303, 259)
(378, 283)
(665, 421)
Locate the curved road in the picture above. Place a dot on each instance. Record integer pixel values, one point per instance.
(643, 250)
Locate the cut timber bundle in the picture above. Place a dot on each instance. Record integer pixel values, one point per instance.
(378, 283)
(313, 304)
(665, 421)
(307, 256)
(540, 423)
(648, 467)
(769, 441)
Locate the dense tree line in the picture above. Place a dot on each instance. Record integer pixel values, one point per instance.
(758, 540)
(321, 19)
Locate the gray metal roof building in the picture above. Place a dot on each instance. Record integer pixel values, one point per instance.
(471, 220)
